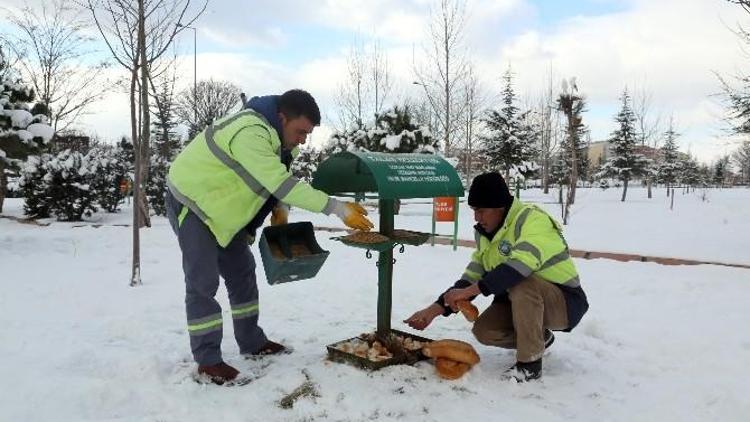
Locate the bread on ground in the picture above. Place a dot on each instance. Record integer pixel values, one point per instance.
(456, 350)
(450, 369)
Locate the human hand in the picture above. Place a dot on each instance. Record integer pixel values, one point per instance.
(353, 215)
(280, 214)
(453, 296)
(421, 319)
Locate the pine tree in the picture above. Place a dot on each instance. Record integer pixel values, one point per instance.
(394, 132)
(108, 171)
(58, 185)
(304, 166)
(34, 188)
(690, 173)
(509, 141)
(21, 132)
(721, 171)
(164, 148)
(669, 166)
(625, 163)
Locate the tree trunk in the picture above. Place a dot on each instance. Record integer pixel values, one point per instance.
(648, 184)
(671, 203)
(135, 277)
(3, 184)
(144, 144)
(624, 189)
(573, 171)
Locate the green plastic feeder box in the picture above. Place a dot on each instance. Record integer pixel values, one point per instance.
(290, 252)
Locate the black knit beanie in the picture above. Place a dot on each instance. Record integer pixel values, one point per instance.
(489, 190)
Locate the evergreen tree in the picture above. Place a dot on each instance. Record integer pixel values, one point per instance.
(394, 132)
(304, 166)
(669, 167)
(509, 141)
(58, 185)
(21, 132)
(34, 188)
(721, 171)
(108, 171)
(165, 146)
(690, 173)
(625, 163)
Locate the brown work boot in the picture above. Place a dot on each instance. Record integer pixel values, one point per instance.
(219, 373)
(270, 348)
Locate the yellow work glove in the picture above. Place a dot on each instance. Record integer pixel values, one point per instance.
(280, 214)
(353, 215)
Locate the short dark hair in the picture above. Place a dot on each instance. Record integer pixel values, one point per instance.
(296, 102)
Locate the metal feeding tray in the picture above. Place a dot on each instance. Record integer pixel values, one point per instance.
(336, 352)
(290, 252)
(367, 240)
(409, 237)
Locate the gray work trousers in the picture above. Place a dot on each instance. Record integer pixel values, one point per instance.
(203, 261)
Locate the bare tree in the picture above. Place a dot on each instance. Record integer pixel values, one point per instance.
(362, 95)
(648, 125)
(474, 103)
(351, 92)
(55, 60)
(138, 34)
(199, 106)
(571, 104)
(441, 77)
(380, 78)
(741, 159)
(549, 130)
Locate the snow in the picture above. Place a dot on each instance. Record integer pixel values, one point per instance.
(41, 130)
(392, 142)
(25, 135)
(659, 342)
(19, 118)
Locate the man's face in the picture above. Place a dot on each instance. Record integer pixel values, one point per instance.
(294, 131)
(489, 218)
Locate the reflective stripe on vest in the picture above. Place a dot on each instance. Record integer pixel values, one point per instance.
(527, 247)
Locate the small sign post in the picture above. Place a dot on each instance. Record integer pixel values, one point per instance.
(445, 209)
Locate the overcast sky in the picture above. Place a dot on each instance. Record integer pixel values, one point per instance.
(670, 47)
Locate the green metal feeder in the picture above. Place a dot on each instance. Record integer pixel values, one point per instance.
(390, 177)
(290, 252)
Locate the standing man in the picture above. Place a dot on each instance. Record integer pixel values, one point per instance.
(222, 187)
(523, 260)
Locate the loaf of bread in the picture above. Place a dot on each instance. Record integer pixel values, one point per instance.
(450, 369)
(470, 312)
(455, 350)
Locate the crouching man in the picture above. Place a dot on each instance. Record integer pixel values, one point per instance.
(523, 260)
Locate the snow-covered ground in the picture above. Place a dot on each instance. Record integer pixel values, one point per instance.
(659, 342)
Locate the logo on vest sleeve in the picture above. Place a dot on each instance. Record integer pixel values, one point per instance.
(504, 247)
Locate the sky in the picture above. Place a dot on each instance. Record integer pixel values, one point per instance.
(671, 49)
